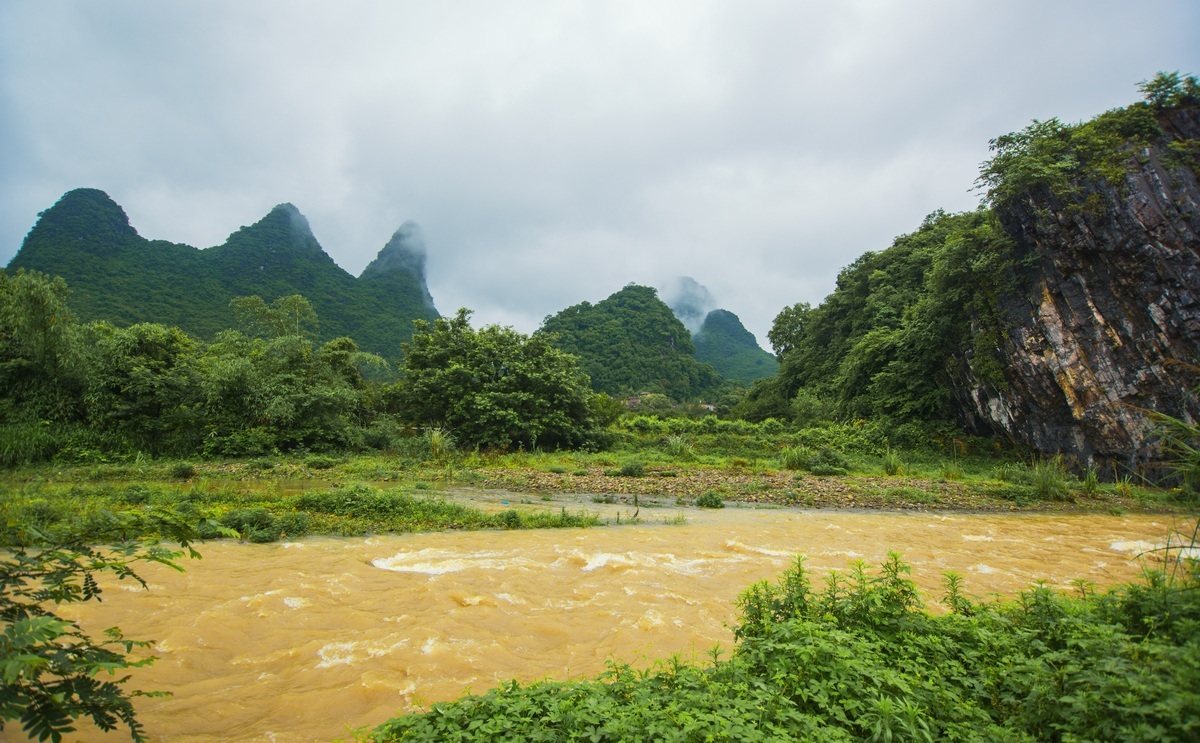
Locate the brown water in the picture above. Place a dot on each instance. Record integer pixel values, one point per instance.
(289, 642)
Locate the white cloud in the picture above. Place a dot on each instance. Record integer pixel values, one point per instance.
(553, 152)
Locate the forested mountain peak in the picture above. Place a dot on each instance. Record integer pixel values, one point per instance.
(631, 342)
(87, 216)
(283, 229)
(404, 252)
(724, 342)
(118, 276)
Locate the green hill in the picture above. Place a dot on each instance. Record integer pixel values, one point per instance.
(725, 344)
(631, 342)
(119, 276)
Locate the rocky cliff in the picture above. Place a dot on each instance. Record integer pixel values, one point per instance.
(1104, 307)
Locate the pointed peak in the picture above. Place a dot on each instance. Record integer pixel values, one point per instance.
(405, 251)
(690, 300)
(86, 214)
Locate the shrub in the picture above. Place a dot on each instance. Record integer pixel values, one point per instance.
(710, 499)
(183, 471)
(950, 471)
(509, 519)
(679, 447)
(892, 466)
(1049, 479)
(254, 524)
(321, 462)
(633, 469)
(796, 457)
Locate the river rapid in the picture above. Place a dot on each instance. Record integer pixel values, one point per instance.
(293, 641)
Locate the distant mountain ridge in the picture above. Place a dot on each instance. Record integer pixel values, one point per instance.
(117, 275)
(631, 342)
(725, 344)
(719, 336)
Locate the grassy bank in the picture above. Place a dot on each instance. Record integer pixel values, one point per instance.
(265, 500)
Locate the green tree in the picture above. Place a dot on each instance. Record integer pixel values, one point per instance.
(54, 673)
(788, 328)
(494, 387)
(143, 385)
(38, 350)
(1170, 89)
(290, 315)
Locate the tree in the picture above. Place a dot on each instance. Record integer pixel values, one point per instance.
(290, 315)
(494, 387)
(1170, 89)
(54, 673)
(37, 347)
(788, 328)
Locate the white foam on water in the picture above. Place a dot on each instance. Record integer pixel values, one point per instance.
(977, 538)
(619, 561)
(296, 602)
(348, 653)
(982, 569)
(515, 600)
(440, 562)
(1133, 545)
(734, 545)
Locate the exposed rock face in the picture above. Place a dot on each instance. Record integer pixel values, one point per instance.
(1109, 304)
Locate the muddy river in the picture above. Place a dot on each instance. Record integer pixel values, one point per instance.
(293, 641)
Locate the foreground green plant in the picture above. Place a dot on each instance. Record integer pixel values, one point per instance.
(54, 673)
(860, 659)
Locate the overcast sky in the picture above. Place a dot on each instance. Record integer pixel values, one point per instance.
(553, 152)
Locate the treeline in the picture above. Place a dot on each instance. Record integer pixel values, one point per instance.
(84, 391)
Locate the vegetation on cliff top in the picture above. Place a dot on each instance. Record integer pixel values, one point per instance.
(908, 328)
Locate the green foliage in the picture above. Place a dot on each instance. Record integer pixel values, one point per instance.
(679, 447)
(55, 673)
(494, 387)
(724, 344)
(892, 464)
(1170, 90)
(889, 341)
(788, 328)
(710, 499)
(860, 659)
(633, 468)
(631, 343)
(183, 471)
(290, 315)
(122, 278)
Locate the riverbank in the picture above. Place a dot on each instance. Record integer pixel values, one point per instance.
(266, 499)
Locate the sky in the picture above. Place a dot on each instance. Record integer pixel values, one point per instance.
(553, 152)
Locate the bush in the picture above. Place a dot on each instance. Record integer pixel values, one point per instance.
(633, 469)
(679, 447)
(321, 462)
(710, 499)
(183, 471)
(253, 524)
(892, 466)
